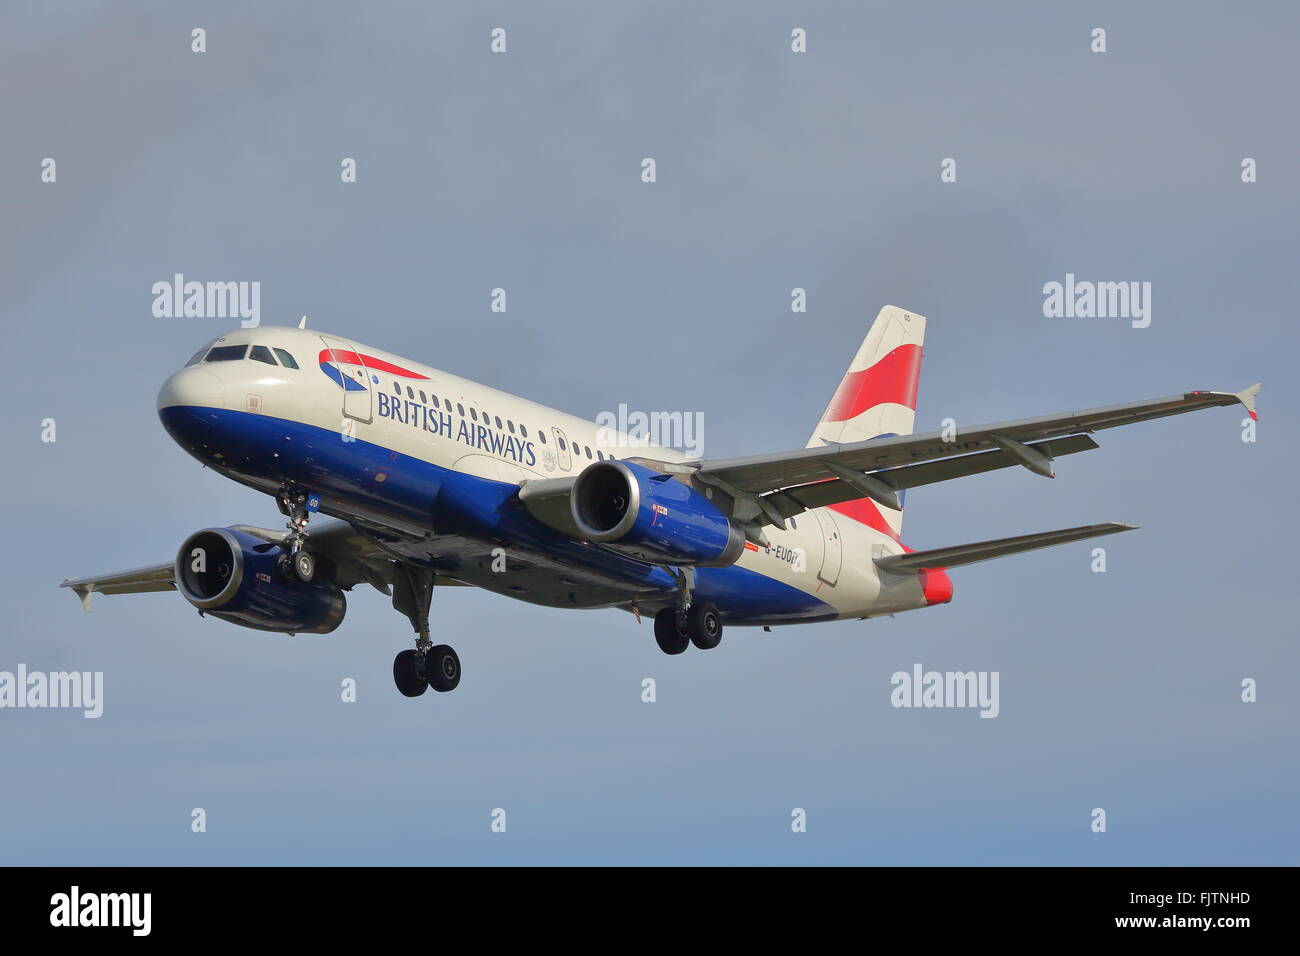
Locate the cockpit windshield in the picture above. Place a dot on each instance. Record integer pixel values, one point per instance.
(197, 357)
(233, 353)
(227, 353)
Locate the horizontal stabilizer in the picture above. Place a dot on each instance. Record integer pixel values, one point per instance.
(960, 554)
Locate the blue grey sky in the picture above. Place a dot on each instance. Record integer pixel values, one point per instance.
(775, 170)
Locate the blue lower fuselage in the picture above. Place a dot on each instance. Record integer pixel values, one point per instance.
(453, 520)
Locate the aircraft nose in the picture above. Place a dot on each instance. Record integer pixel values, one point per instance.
(196, 387)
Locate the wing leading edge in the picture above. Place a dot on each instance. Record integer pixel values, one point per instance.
(763, 473)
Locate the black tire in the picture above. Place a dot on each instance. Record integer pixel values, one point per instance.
(442, 667)
(406, 676)
(667, 636)
(284, 567)
(304, 566)
(704, 625)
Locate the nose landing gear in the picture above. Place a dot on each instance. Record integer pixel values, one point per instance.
(295, 561)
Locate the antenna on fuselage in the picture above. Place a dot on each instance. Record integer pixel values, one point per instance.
(302, 323)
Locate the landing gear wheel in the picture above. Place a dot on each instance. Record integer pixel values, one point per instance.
(704, 625)
(284, 567)
(406, 675)
(304, 566)
(442, 667)
(667, 636)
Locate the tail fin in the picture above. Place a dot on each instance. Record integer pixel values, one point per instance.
(876, 398)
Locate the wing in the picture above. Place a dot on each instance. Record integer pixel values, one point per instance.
(792, 501)
(768, 472)
(352, 557)
(766, 489)
(158, 577)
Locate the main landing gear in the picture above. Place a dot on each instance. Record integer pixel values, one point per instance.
(295, 561)
(690, 622)
(426, 665)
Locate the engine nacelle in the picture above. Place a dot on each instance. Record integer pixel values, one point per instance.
(234, 576)
(649, 516)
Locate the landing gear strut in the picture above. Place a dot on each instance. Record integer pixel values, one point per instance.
(428, 664)
(690, 622)
(295, 561)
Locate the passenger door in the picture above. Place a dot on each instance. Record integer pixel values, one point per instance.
(352, 376)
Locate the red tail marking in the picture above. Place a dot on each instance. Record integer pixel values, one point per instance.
(892, 379)
(864, 511)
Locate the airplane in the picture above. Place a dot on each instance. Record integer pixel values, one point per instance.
(434, 480)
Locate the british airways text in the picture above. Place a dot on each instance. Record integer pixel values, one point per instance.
(442, 423)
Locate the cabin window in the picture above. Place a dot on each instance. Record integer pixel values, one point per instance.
(409, 393)
(499, 421)
(424, 401)
(561, 441)
(473, 413)
(510, 425)
(460, 409)
(541, 437)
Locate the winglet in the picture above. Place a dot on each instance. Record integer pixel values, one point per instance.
(1247, 398)
(84, 592)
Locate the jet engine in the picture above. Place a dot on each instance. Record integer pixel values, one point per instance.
(238, 578)
(652, 517)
